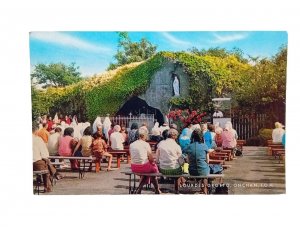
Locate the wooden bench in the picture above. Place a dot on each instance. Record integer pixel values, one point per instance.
(215, 161)
(216, 156)
(240, 143)
(274, 146)
(133, 188)
(278, 153)
(38, 174)
(81, 169)
(119, 154)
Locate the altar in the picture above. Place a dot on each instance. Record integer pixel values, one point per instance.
(222, 112)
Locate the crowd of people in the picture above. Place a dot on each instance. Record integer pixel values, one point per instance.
(193, 145)
(66, 137)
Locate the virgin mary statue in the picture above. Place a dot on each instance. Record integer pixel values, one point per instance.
(176, 86)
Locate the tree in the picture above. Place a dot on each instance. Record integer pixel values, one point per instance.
(265, 83)
(129, 51)
(220, 52)
(55, 74)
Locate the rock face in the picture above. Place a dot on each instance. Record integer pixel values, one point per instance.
(161, 91)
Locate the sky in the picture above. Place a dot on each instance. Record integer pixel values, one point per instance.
(93, 51)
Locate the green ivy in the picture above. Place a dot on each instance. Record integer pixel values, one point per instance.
(104, 94)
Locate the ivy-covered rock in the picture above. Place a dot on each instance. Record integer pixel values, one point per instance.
(106, 93)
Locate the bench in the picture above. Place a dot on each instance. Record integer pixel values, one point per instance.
(240, 143)
(133, 189)
(81, 170)
(218, 156)
(274, 146)
(37, 174)
(278, 153)
(119, 154)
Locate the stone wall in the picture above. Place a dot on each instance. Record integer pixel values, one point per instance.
(161, 88)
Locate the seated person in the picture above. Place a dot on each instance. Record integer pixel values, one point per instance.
(198, 157)
(283, 140)
(277, 133)
(86, 143)
(184, 138)
(168, 153)
(228, 138)
(99, 148)
(142, 161)
(156, 135)
(66, 146)
(117, 139)
(40, 159)
(53, 141)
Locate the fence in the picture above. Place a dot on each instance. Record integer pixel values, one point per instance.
(248, 126)
(128, 120)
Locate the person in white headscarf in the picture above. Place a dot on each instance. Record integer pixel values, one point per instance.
(63, 125)
(55, 119)
(84, 126)
(278, 133)
(76, 128)
(196, 126)
(97, 124)
(229, 125)
(106, 126)
(155, 130)
(75, 119)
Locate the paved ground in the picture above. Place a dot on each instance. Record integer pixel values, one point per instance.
(253, 173)
(256, 173)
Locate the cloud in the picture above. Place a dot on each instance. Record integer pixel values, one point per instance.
(174, 40)
(229, 38)
(62, 39)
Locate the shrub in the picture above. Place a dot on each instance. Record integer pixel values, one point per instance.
(266, 134)
(255, 141)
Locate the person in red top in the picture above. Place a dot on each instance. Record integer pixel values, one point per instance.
(111, 130)
(99, 148)
(67, 120)
(50, 124)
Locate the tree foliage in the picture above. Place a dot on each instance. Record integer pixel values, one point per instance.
(56, 74)
(220, 52)
(129, 51)
(265, 82)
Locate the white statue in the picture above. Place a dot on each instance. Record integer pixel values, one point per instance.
(176, 86)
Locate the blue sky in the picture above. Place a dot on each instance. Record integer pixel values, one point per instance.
(93, 51)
